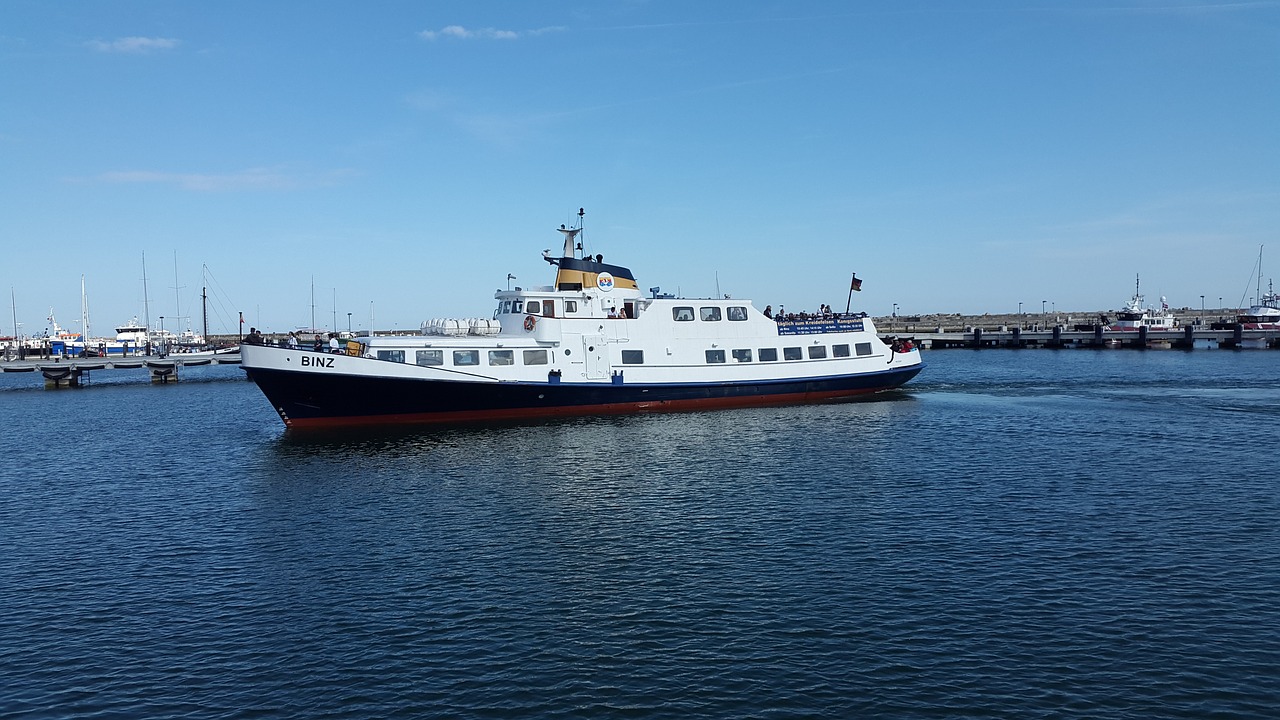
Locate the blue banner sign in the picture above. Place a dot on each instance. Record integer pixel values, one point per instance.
(818, 326)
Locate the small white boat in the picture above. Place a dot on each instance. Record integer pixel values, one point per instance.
(1134, 316)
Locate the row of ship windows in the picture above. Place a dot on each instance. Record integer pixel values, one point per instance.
(471, 358)
(735, 313)
(466, 358)
(743, 355)
(535, 307)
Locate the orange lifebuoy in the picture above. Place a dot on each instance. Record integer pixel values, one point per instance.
(529, 323)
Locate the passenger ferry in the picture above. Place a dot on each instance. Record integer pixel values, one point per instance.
(589, 344)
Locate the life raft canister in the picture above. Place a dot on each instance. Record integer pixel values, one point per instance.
(530, 322)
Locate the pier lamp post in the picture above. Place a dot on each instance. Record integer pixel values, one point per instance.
(348, 323)
(1019, 307)
(1042, 304)
(895, 316)
(1201, 309)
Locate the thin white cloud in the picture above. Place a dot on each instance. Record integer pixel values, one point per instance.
(459, 32)
(133, 45)
(251, 179)
(1192, 7)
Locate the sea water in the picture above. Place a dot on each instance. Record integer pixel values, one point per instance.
(1017, 534)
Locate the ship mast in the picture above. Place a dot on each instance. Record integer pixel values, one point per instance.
(146, 306)
(204, 311)
(1257, 292)
(177, 293)
(84, 313)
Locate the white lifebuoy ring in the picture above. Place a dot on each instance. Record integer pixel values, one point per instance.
(530, 322)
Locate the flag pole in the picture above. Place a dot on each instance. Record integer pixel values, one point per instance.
(849, 303)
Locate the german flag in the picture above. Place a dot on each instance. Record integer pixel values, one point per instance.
(857, 284)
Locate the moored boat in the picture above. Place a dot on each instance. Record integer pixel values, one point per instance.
(588, 344)
(1135, 315)
(1266, 314)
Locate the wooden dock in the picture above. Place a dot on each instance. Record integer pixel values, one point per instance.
(75, 372)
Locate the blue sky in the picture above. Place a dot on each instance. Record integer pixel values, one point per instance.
(407, 156)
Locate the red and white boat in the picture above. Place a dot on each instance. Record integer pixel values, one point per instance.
(1266, 314)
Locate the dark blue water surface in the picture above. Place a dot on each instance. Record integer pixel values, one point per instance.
(1020, 534)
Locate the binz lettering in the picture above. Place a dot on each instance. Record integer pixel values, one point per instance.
(308, 361)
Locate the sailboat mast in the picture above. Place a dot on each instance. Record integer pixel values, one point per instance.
(146, 306)
(1257, 291)
(177, 292)
(84, 313)
(204, 311)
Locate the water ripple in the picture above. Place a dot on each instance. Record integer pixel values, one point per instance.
(1023, 535)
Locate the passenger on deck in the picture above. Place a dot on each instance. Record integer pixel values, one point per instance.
(768, 311)
(334, 346)
(254, 337)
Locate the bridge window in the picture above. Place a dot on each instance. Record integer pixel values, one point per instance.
(571, 306)
(533, 308)
(392, 355)
(715, 356)
(535, 357)
(430, 357)
(768, 354)
(466, 357)
(709, 314)
(792, 354)
(817, 352)
(839, 351)
(742, 356)
(632, 357)
(862, 349)
(505, 307)
(737, 314)
(502, 357)
(517, 306)
(682, 314)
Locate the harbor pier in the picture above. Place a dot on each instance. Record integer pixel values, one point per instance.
(76, 372)
(1185, 338)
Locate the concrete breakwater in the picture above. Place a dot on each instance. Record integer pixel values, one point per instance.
(1210, 328)
(1002, 322)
